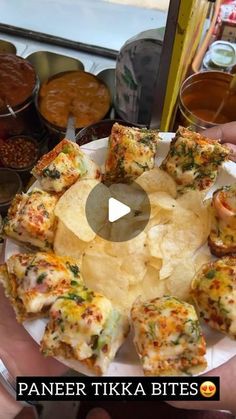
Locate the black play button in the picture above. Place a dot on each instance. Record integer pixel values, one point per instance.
(118, 213)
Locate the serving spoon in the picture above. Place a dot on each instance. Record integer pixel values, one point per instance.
(9, 108)
(70, 129)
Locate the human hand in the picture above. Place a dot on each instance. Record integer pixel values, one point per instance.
(227, 134)
(227, 374)
(21, 356)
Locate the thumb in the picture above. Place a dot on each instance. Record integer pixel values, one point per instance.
(232, 148)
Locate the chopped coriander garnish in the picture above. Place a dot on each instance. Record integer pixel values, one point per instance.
(74, 283)
(152, 330)
(176, 342)
(73, 297)
(210, 274)
(52, 173)
(147, 139)
(193, 328)
(41, 277)
(142, 166)
(73, 268)
(66, 149)
(222, 306)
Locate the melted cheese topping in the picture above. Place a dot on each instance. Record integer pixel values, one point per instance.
(168, 337)
(63, 166)
(37, 279)
(85, 322)
(131, 151)
(214, 290)
(31, 218)
(193, 160)
(60, 174)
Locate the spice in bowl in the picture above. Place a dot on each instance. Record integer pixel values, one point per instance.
(19, 152)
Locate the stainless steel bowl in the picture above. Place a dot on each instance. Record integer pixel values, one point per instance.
(7, 47)
(47, 64)
(21, 118)
(24, 121)
(10, 185)
(57, 133)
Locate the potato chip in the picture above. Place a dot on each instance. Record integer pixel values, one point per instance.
(186, 230)
(102, 272)
(162, 207)
(134, 291)
(179, 282)
(128, 194)
(135, 246)
(125, 228)
(67, 243)
(157, 180)
(71, 208)
(155, 263)
(155, 237)
(134, 267)
(162, 200)
(167, 268)
(193, 201)
(152, 286)
(202, 256)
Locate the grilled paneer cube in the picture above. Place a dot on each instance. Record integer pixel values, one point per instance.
(222, 238)
(31, 219)
(131, 151)
(214, 291)
(33, 281)
(84, 326)
(168, 337)
(64, 165)
(193, 160)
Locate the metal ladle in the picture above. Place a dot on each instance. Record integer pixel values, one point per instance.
(9, 108)
(70, 129)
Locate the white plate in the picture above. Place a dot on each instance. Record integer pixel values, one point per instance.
(219, 348)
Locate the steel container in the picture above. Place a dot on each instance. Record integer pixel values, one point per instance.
(201, 95)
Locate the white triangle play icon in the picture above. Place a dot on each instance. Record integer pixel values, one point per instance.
(116, 210)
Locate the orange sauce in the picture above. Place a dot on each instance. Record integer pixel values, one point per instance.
(204, 98)
(78, 93)
(209, 116)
